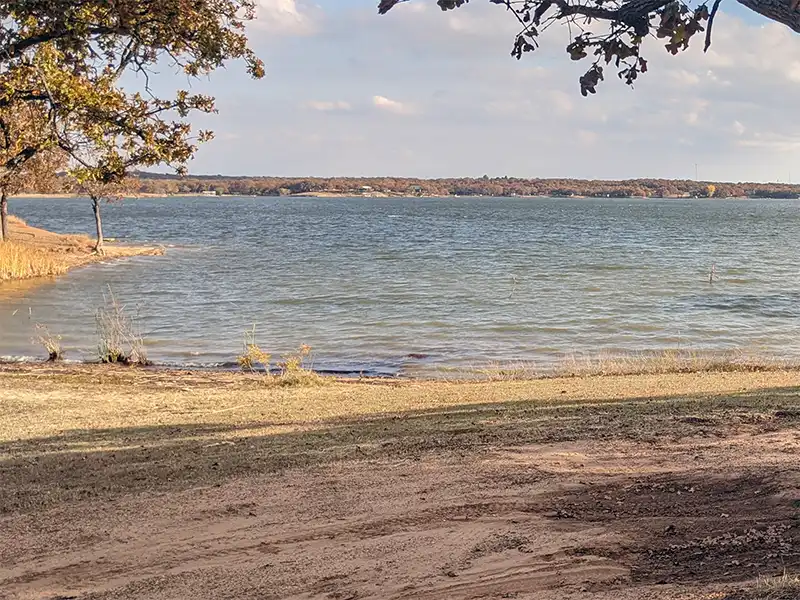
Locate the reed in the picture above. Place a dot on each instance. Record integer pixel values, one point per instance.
(119, 337)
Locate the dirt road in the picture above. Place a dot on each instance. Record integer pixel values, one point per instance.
(680, 495)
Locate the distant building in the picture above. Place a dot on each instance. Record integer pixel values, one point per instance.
(208, 193)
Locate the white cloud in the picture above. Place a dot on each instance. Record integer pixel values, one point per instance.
(479, 111)
(392, 106)
(283, 17)
(325, 106)
(684, 78)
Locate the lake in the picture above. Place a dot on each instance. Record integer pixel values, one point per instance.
(411, 285)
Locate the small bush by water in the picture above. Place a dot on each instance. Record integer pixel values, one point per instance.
(294, 369)
(19, 261)
(252, 356)
(120, 339)
(51, 343)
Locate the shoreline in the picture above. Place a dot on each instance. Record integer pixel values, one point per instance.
(594, 370)
(38, 253)
(384, 195)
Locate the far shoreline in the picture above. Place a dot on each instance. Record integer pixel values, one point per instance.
(348, 195)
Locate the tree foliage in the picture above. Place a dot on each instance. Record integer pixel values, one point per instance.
(30, 163)
(66, 58)
(609, 34)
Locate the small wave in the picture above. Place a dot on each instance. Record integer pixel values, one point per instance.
(21, 358)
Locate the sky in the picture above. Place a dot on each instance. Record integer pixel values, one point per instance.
(425, 93)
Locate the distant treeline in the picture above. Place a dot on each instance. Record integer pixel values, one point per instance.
(154, 183)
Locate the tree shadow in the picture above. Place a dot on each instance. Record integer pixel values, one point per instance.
(105, 463)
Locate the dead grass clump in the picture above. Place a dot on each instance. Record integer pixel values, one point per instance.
(294, 369)
(643, 363)
(120, 339)
(661, 363)
(785, 587)
(51, 343)
(19, 261)
(253, 356)
(512, 371)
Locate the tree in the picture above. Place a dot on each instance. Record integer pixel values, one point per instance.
(99, 192)
(66, 57)
(624, 24)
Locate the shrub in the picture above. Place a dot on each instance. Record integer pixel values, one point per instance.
(51, 343)
(294, 369)
(120, 339)
(253, 355)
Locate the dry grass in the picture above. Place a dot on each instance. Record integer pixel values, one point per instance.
(41, 400)
(253, 357)
(293, 370)
(785, 587)
(33, 252)
(19, 261)
(643, 363)
(120, 338)
(51, 343)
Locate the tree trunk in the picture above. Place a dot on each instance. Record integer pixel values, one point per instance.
(3, 216)
(777, 10)
(99, 224)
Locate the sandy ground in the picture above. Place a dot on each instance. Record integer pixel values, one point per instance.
(75, 250)
(150, 484)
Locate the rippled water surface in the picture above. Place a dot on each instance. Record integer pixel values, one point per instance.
(392, 285)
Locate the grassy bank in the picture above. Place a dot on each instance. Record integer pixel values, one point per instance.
(40, 399)
(19, 261)
(33, 252)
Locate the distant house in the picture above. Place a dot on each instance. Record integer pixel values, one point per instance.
(366, 188)
(208, 193)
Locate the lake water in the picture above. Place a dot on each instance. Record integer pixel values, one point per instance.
(372, 283)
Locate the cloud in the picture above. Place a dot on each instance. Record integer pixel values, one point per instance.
(479, 111)
(392, 106)
(324, 106)
(283, 17)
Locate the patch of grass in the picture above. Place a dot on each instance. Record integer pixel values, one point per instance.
(252, 355)
(51, 343)
(297, 369)
(785, 587)
(120, 339)
(642, 363)
(19, 261)
(294, 369)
